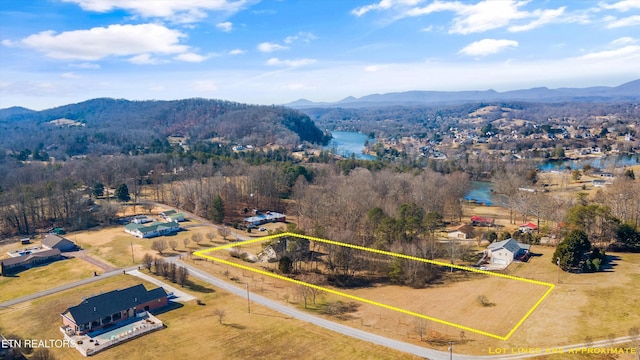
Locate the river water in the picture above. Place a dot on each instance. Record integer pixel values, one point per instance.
(346, 143)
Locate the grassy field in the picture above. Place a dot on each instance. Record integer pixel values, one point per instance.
(597, 305)
(193, 332)
(45, 277)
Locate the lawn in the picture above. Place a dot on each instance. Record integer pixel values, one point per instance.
(45, 277)
(193, 332)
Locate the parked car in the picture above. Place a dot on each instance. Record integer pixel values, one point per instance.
(263, 229)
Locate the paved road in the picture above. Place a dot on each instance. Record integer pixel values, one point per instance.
(180, 296)
(64, 287)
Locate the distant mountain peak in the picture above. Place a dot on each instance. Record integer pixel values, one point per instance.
(629, 91)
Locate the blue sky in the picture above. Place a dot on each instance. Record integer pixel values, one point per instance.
(55, 52)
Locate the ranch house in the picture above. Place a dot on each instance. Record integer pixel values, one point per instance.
(108, 309)
(152, 230)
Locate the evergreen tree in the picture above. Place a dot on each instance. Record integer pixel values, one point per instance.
(98, 190)
(122, 193)
(217, 210)
(572, 250)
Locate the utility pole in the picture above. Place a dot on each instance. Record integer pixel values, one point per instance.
(558, 262)
(450, 350)
(132, 259)
(248, 301)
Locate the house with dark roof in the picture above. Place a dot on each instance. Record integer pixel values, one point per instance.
(28, 260)
(154, 229)
(110, 308)
(505, 251)
(53, 241)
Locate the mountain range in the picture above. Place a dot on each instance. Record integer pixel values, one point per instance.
(629, 91)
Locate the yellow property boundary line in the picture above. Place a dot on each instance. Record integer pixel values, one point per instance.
(202, 254)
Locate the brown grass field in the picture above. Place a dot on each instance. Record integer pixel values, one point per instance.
(45, 277)
(193, 332)
(583, 305)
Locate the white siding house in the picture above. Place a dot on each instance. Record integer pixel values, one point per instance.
(504, 252)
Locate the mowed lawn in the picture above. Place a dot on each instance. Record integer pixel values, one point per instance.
(45, 277)
(194, 332)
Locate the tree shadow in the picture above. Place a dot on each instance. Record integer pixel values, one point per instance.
(198, 288)
(235, 326)
(610, 265)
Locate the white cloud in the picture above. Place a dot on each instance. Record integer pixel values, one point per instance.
(479, 17)
(101, 42)
(290, 63)
(630, 51)
(226, 26)
(302, 36)
(383, 5)
(191, 57)
(204, 85)
(486, 47)
(180, 11)
(8, 43)
(237, 52)
(374, 68)
(90, 66)
(144, 59)
(270, 47)
(545, 17)
(70, 75)
(624, 5)
(624, 41)
(627, 21)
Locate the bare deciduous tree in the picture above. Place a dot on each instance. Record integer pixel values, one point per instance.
(224, 231)
(159, 245)
(173, 244)
(197, 238)
(220, 313)
(147, 260)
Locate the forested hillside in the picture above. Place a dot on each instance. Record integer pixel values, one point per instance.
(109, 126)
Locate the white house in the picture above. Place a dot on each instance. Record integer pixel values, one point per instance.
(141, 219)
(505, 251)
(461, 232)
(152, 230)
(172, 215)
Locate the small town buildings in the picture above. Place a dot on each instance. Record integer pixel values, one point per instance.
(506, 251)
(152, 230)
(172, 215)
(53, 241)
(109, 308)
(263, 218)
(28, 260)
(528, 227)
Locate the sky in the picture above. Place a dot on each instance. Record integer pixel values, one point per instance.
(56, 52)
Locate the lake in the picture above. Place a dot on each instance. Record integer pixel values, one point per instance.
(346, 143)
(603, 163)
(480, 193)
